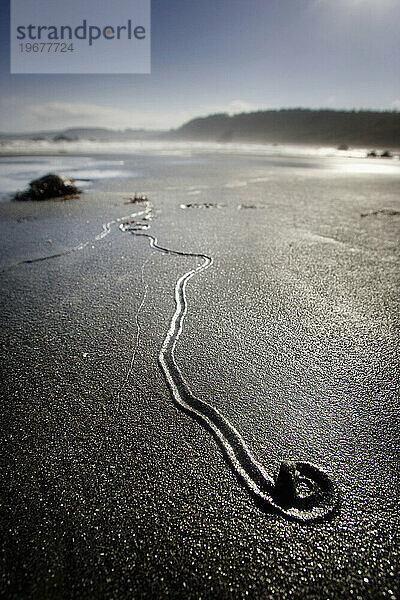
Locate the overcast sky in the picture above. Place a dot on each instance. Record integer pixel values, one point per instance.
(223, 55)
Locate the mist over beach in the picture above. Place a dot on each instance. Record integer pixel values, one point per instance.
(200, 311)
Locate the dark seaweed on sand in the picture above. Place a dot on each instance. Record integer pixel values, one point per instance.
(49, 186)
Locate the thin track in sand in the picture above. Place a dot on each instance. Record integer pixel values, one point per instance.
(301, 491)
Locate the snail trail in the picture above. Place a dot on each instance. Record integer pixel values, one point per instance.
(300, 491)
(106, 229)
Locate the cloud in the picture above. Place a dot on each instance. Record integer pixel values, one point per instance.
(232, 107)
(62, 114)
(115, 118)
(20, 116)
(330, 101)
(239, 106)
(396, 104)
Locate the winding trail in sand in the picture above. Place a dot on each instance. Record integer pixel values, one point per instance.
(301, 491)
(106, 229)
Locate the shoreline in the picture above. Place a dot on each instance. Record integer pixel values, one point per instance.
(155, 146)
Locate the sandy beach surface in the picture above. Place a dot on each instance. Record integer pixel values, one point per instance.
(108, 489)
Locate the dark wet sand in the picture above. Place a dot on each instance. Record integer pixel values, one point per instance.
(109, 491)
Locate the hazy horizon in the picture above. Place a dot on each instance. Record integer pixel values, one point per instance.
(123, 129)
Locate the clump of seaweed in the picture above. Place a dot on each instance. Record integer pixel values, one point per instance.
(136, 199)
(384, 154)
(389, 212)
(47, 187)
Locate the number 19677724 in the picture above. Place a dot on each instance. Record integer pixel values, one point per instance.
(46, 47)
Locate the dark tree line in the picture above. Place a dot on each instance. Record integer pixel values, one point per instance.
(302, 126)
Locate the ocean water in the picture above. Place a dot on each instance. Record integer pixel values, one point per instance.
(168, 148)
(17, 171)
(88, 162)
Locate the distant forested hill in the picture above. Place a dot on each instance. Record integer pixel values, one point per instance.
(298, 126)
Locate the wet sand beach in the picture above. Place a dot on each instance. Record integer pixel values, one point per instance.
(291, 333)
